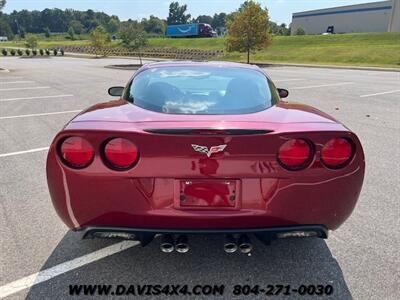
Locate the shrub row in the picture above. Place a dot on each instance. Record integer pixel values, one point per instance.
(34, 52)
(148, 52)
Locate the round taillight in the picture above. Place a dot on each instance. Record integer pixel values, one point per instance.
(121, 153)
(336, 153)
(295, 154)
(76, 152)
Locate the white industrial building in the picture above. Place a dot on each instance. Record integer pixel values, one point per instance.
(369, 17)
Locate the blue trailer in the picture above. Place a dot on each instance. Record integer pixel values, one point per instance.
(189, 30)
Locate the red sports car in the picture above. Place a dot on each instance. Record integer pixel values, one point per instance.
(204, 148)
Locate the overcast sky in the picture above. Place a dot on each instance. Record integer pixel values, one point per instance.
(280, 10)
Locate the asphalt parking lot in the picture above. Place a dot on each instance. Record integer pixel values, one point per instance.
(38, 96)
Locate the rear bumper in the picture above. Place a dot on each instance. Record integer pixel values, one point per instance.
(148, 203)
(148, 196)
(266, 235)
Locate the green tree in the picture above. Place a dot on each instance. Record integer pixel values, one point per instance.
(204, 19)
(99, 39)
(284, 30)
(248, 31)
(56, 20)
(279, 29)
(5, 29)
(133, 36)
(47, 32)
(31, 41)
(300, 31)
(22, 33)
(77, 26)
(153, 25)
(229, 18)
(71, 33)
(219, 20)
(112, 26)
(177, 14)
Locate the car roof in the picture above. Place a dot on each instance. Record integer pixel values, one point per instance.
(219, 64)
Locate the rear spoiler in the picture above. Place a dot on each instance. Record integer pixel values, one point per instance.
(206, 131)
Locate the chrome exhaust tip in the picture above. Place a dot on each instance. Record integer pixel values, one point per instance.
(181, 244)
(230, 245)
(167, 243)
(245, 245)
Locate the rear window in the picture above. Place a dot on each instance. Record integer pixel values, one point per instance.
(201, 90)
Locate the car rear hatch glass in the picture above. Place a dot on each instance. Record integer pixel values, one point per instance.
(195, 90)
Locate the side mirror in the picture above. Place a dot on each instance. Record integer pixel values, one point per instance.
(283, 93)
(116, 91)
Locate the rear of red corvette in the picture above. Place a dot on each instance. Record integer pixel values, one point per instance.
(238, 177)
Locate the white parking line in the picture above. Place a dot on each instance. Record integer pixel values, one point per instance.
(319, 86)
(379, 73)
(42, 276)
(287, 80)
(42, 114)
(23, 152)
(27, 88)
(11, 77)
(383, 93)
(13, 82)
(36, 97)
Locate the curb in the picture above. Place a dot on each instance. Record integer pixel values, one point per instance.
(124, 67)
(266, 65)
(86, 55)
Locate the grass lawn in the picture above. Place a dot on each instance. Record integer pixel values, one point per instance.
(359, 49)
(193, 43)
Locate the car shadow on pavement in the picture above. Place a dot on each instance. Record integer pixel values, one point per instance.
(291, 262)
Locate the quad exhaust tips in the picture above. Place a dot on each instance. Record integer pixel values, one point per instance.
(244, 244)
(168, 244)
(181, 244)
